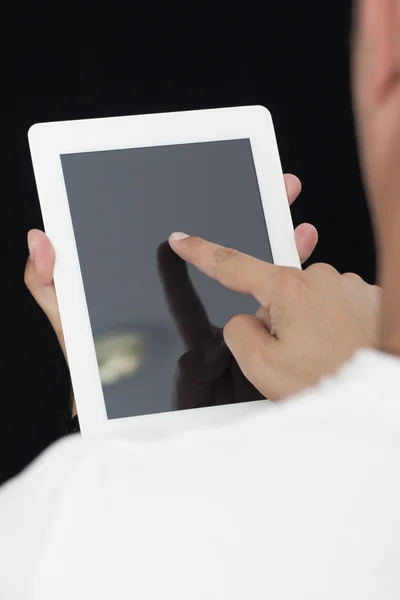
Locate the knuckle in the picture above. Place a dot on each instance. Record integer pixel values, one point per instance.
(290, 279)
(318, 268)
(352, 276)
(194, 243)
(221, 256)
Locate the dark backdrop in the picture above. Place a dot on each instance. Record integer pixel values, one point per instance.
(77, 60)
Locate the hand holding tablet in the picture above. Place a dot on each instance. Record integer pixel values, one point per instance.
(111, 190)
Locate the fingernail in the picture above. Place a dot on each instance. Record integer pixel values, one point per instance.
(30, 247)
(178, 235)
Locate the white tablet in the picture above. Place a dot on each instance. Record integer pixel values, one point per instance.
(143, 331)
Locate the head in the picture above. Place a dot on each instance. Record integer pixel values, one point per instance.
(376, 91)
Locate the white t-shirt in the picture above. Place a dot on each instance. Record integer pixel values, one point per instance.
(302, 502)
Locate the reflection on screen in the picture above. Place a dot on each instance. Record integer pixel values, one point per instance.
(157, 324)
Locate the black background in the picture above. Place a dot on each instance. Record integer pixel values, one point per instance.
(79, 60)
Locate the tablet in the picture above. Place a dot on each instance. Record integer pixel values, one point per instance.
(143, 331)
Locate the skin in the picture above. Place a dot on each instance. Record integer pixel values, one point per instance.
(376, 91)
(309, 322)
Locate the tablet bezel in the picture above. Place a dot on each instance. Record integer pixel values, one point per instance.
(48, 141)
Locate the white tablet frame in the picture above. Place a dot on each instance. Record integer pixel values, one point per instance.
(48, 141)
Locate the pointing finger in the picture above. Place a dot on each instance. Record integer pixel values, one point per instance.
(234, 270)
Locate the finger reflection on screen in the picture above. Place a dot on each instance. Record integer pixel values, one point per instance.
(207, 373)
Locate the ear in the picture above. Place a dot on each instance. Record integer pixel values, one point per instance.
(388, 51)
(377, 49)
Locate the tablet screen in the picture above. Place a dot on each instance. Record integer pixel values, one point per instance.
(157, 324)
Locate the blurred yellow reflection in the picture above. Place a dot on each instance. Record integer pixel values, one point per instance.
(119, 355)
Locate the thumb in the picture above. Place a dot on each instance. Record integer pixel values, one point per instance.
(260, 356)
(254, 349)
(39, 279)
